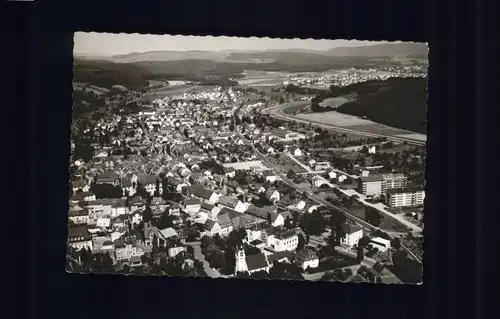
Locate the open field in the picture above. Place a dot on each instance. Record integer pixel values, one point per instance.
(415, 136)
(261, 78)
(284, 163)
(334, 118)
(379, 128)
(333, 102)
(396, 149)
(388, 223)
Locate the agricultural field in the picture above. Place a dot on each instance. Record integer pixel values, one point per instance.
(334, 118)
(333, 102)
(380, 129)
(387, 223)
(284, 163)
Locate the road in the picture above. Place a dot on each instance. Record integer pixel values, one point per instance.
(312, 195)
(382, 208)
(206, 266)
(272, 111)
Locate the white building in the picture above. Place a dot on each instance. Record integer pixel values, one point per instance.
(79, 237)
(404, 197)
(371, 185)
(270, 176)
(250, 264)
(352, 235)
(307, 259)
(297, 152)
(381, 243)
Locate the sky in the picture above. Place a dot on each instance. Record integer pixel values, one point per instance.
(107, 44)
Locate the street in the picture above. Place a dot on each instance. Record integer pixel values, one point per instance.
(312, 196)
(206, 266)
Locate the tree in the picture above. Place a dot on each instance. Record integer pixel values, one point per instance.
(396, 243)
(301, 242)
(147, 216)
(190, 250)
(291, 174)
(373, 216)
(186, 133)
(216, 259)
(165, 221)
(192, 234)
(360, 254)
(363, 241)
(286, 270)
(288, 223)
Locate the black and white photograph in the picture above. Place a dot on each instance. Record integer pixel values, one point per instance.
(248, 158)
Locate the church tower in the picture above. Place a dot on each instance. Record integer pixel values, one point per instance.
(241, 264)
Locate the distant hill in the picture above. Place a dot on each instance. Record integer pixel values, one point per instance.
(164, 56)
(409, 49)
(106, 74)
(396, 102)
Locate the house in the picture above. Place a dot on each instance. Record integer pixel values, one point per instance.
(250, 264)
(210, 210)
(372, 150)
(352, 235)
(103, 223)
(317, 181)
(268, 213)
(127, 248)
(174, 251)
(78, 215)
(370, 185)
(192, 206)
(80, 185)
(174, 208)
(300, 204)
(341, 178)
(108, 177)
(211, 227)
(119, 208)
(149, 182)
(405, 197)
(382, 244)
(158, 203)
(83, 196)
(332, 174)
(298, 152)
(119, 222)
(281, 257)
(137, 203)
(319, 166)
(272, 194)
(365, 173)
(230, 172)
(279, 240)
(270, 150)
(307, 259)
(79, 237)
(157, 213)
(137, 217)
(203, 194)
(232, 203)
(135, 261)
(269, 176)
(225, 223)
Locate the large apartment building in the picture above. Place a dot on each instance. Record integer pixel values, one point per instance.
(371, 185)
(405, 197)
(392, 181)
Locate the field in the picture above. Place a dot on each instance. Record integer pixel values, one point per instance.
(333, 102)
(334, 118)
(290, 109)
(388, 223)
(379, 128)
(284, 163)
(261, 78)
(399, 148)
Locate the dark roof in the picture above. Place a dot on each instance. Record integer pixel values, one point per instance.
(268, 173)
(199, 191)
(158, 201)
(404, 190)
(209, 224)
(147, 179)
(228, 201)
(207, 206)
(78, 184)
(78, 234)
(350, 229)
(80, 212)
(374, 178)
(280, 255)
(192, 201)
(81, 196)
(256, 261)
(286, 234)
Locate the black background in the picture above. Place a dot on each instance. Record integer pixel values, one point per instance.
(462, 131)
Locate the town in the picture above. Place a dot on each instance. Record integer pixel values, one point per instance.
(197, 179)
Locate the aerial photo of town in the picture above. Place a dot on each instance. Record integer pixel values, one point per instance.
(229, 157)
